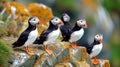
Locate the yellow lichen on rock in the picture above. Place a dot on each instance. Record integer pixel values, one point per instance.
(43, 12)
(41, 29)
(64, 65)
(21, 11)
(106, 64)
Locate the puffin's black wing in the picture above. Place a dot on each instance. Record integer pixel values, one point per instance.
(43, 37)
(22, 39)
(89, 48)
(65, 30)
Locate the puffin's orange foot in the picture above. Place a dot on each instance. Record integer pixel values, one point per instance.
(49, 51)
(29, 51)
(95, 61)
(75, 46)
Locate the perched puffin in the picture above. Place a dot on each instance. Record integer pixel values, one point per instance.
(66, 28)
(50, 35)
(77, 32)
(95, 48)
(28, 36)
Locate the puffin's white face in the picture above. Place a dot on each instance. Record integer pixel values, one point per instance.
(99, 38)
(82, 23)
(34, 20)
(56, 21)
(66, 17)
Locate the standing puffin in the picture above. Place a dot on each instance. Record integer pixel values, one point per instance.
(28, 36)
(50, 35)
(77, 32)
(95, 48)
(66, 28)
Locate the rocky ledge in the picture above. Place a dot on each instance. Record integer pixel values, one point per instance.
(63, 56)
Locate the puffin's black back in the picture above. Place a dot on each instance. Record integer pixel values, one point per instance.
(65, 30)
(75, 28)
(24, 36)
(90, 47)
(44, 34)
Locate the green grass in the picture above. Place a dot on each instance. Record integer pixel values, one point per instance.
(112, 5)
(67, 3)
(5, 52)
(115, 54)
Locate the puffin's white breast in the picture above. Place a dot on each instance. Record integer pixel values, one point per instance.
(96, 50)
(52, 36)
(31, 37)
(76, 35)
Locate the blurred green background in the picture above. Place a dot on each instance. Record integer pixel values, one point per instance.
(103, 16)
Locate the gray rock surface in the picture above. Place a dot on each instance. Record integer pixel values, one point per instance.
(63, 56)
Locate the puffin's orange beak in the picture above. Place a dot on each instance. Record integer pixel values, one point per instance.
(101, 40)
(85, 25)
(61, 23)
(40, 22)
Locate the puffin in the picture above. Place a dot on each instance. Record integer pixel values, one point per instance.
(28, 36)
(95, 48)
(50, 34)
(76, 32)
(66, 28)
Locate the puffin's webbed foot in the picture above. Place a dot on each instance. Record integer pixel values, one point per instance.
(48, 50)
(75, 46)
(29, 51)
(95, 61)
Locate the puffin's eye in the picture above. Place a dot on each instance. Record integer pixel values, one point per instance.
(56, 19)
(97, 36)
(33, 19)
(81, 21)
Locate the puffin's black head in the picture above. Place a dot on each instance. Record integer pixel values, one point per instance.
(56, 21)
(98, 38)
(33, 21)
(82, 23)
(65, 17)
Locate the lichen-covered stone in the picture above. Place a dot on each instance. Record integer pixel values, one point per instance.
(43, 12)
(21, 11)
(63, 56)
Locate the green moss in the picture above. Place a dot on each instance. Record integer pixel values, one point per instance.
(115, 54)
(67, 4)
(112, 5)
(3, 30)
(4, 54)
(90, 20)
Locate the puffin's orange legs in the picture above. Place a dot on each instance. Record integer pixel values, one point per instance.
(95, 61)
(29, 51)
(74, 45)
(48, 50)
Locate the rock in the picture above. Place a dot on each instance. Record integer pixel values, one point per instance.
(63, 56)
(43, 12)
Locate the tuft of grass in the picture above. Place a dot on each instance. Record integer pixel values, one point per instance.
(5, 52)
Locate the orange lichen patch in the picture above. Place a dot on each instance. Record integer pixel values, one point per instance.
(83, 64)
(106, 64)
(43, 12)
(20, 9)
(67, 59)
(91, 4)
(41, 29)
(66, 45)
(63, 65)
(83, 53)
(39, 60)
